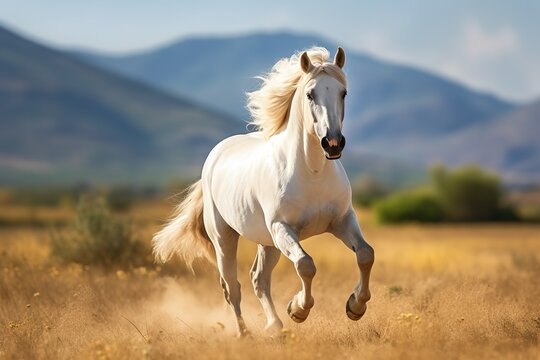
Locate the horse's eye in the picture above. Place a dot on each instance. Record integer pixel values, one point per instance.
(310, 98)
(344, 94)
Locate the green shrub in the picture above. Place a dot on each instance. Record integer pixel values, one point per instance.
(468, 193)
(97, 238)
(464, 194)
(419, 205)
(507, 213)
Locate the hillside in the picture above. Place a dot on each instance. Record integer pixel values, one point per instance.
(386, 101)
(63, 120)
(393, 111)
(215, 70)
(510, 144)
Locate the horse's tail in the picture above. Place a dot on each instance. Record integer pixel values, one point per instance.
(185, 233)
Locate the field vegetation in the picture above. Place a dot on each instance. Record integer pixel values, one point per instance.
(459, 290)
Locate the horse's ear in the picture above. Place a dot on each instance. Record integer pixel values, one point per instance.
(305, 63)
(339, 59)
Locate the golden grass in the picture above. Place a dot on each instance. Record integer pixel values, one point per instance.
(448, 291)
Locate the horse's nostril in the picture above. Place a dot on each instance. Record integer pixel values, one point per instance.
(335, 143)
(324, 143)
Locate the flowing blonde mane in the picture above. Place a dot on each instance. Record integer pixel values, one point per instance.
(269, 106)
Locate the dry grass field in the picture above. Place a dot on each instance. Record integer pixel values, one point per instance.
(438, 291)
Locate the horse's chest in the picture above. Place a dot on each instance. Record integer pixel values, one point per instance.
(310, 211)
(316, 221)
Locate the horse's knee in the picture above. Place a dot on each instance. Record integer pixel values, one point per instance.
(306, 267)
(253, 275)
(258, 282)
(365, 256)
(225, 290)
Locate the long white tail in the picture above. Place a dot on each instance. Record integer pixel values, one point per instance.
(185, 233)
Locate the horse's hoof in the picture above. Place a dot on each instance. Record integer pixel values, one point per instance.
(352, 314)
(298, 315)
(242, 334)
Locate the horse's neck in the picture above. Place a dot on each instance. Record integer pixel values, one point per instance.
(313, 155)
(304, 149)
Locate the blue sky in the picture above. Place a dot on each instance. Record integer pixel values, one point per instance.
(488, 45)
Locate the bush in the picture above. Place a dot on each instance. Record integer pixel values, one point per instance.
(507, 213)
(419, 205)
(97, 238)
(468, 193)
(464, 194)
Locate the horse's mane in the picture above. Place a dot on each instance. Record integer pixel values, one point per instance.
(269, 106)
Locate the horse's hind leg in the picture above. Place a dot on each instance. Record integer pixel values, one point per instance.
(261, 272)
(225, 241)
(227, 266)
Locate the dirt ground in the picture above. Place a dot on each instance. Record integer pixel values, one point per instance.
(445, 291)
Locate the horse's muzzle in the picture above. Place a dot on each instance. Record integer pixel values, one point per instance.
(333, 146)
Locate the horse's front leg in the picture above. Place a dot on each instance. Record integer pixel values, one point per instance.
(286, 240)
(348, 231)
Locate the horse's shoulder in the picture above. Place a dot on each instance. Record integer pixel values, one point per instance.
(240, 142)
(240, 139)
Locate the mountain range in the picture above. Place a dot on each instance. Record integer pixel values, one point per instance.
(385, 100)
(509, 144)
(147, 117)
(63, 120)
(393, 111)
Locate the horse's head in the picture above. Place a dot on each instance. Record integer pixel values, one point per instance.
(324, 102)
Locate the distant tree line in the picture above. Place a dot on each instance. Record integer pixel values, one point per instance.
(117, 197)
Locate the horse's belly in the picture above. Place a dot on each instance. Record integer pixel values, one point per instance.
(244, 215)
(253, 227)
(257, 232)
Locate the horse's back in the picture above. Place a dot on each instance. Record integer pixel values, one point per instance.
(232, 155)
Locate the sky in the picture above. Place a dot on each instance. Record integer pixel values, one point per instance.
(488, 45)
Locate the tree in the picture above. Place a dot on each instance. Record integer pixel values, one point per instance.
(467, 193)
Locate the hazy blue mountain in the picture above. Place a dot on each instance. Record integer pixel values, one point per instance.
(63, 120)
(393, 111)
(66, 121)
(385, 100)
(510, 145)
(216, 71)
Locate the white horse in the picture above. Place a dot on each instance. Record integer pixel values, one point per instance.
(276, 187)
